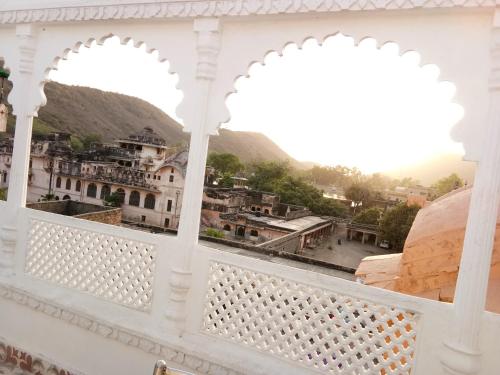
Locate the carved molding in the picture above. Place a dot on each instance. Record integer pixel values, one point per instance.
(106, 330)
(14, 360)
(217, 8)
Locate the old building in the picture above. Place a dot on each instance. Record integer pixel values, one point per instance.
(147, 175)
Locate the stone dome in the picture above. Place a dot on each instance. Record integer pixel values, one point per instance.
(428, 266)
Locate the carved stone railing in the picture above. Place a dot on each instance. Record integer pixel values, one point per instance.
(108, 262)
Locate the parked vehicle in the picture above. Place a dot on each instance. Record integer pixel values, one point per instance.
(384, 244)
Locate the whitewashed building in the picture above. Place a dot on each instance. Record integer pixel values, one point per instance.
(148, 175)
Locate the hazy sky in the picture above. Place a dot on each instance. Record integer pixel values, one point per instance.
(332, 104)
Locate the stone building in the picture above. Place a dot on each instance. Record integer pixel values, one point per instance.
(146, 174)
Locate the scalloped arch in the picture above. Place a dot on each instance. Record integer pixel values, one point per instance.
(320, 41)
(100, 41)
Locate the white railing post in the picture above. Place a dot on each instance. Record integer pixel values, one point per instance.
(462, 354)
(207, 47)
(22, 99)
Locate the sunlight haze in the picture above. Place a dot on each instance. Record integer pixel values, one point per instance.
(332, 104)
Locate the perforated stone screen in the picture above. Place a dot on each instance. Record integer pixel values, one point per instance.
(311, 326)
(111, 267)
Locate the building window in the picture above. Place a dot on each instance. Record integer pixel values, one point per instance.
(68, 184)
(266, 211)
(105, 191)
(167, 222)
(121, 195)
(31, 163)
(92, 190)
(172, 170)
(227, 228)
(159, 178)
(169, 205)
(143, 218)
(58, 182)
(253, 208)
(66, 197)
(254, 233)
(149, 176)
(78, 186)
(134, 199)
(4, 176)
(171, 178)
(59, 165)
(149, 201)
(57, 197)
(240, 231)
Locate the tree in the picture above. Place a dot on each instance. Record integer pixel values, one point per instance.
(447, 184)
(90, 139)
(226, 181)
(115, 199)
(3, 194)
(396, 223)
(76, 144)
(360, 194)
(369, 216)
(225, 163)
(265, 174)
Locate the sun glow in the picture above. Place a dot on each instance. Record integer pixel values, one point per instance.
(352, 105)
(333, 104)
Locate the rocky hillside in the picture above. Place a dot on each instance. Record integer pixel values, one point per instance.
(82, 111)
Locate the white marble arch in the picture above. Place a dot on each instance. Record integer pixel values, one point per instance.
(210, 43)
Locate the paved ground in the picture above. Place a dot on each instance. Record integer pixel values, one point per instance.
(349, 254)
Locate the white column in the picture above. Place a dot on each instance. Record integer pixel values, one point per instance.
(208, 45)
(22, 98)
(462, 354)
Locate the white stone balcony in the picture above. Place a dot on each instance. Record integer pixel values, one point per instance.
(96, 299)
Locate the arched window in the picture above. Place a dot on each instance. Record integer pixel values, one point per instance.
(105, 191)
(149, 201)
(58, 182)
(92, 190)
(240, 231)
(266, 211)
(121, 194)
(135, 198)
(227, 227)
(68, 184)
(78, 186)
(66, 197)
(254, 233)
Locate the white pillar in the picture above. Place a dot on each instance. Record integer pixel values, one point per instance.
(462, 353)
(23, 96)
(208, 45)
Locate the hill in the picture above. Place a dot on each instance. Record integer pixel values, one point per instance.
(431, 170)
(82, 111)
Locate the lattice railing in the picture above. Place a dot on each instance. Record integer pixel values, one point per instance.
(111, 267)
(311, 326)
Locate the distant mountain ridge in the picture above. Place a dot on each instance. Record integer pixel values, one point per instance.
(83, 110)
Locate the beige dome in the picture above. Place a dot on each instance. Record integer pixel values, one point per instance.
(428, 266)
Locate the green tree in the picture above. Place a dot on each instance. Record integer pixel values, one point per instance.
(76, 143)
(115, 199)
(225, 163)
(360, 194)
(3, 194)
(396, 223)
(265, 174)
(447, 184)
(226, 181)
(211, 232)
(369, 216)
(89, 139)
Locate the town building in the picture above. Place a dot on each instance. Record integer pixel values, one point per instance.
(147, 175)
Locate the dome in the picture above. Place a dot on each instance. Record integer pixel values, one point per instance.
(428, 266)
